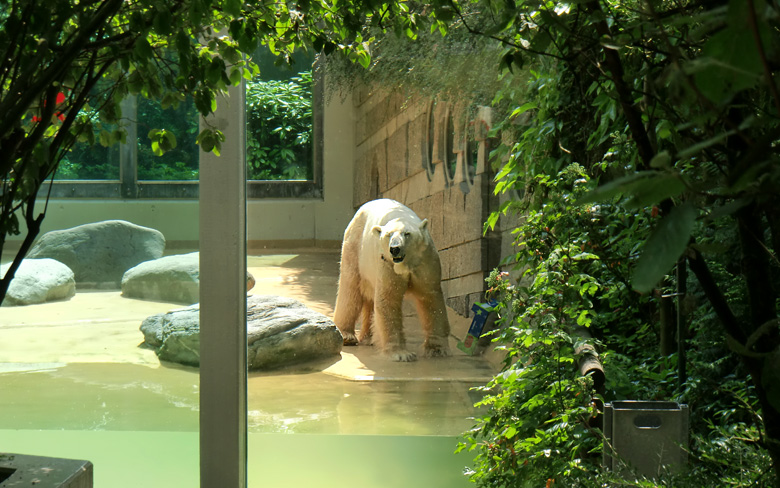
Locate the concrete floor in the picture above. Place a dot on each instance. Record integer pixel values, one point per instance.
(76, 365)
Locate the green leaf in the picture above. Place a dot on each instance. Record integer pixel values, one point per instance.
(730, 64)
(523, 108)
(143, 50)
(655, 190)
(210, 140)
(717, 212)
(364, 59)
(215, 70)
(699, 146)
(233, 7)
(170, 140)
(510, 432)
(235, 76)
(206, 140)
(664, 247)
(662, 160)
(163, 21)
(643, 187)
(105, 138)
(183, 42)
(491, 222)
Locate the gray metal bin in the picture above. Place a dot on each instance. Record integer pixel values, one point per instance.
(650, 436)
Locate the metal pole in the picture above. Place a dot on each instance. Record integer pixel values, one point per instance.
(223, 373)
(682, 326)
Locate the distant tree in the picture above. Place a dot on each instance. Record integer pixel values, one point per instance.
(66, 65)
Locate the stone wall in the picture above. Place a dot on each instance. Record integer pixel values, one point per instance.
(432, 156)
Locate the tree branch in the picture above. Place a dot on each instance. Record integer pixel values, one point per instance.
(14, 106)
(756, 269)
(762, 54)
(33, 229)
(615, 66)
(715, 296)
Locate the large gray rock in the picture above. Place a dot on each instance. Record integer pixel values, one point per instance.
(39, 281)
(173, 278)
(280, 331)
(100, 253)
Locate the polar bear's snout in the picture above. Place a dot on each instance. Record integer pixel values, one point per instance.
(396, 253)
(397, 248)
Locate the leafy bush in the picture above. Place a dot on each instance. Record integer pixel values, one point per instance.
(643, 121)
(279, 128)
(85, 162)
(572, 259)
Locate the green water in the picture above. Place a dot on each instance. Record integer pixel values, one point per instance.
(127, 459)
(139, 426)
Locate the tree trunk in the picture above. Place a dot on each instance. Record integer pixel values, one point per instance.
(764, 337)
(33, 229)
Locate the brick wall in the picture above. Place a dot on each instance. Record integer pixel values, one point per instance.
(432, 157)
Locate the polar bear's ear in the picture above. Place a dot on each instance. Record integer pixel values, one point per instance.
(376, 230)
(424, 224)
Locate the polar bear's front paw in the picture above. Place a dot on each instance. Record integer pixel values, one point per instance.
(434, 350)
(403, 356)
(436, 347)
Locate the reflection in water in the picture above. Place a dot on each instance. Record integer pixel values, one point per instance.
(115, 396)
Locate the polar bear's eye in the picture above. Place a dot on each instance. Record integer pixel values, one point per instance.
(407, 234)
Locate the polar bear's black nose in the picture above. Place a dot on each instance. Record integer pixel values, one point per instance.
(395, 251)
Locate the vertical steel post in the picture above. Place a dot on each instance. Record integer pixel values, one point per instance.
(223, 373)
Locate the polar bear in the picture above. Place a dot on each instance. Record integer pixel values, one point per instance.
(388, 253)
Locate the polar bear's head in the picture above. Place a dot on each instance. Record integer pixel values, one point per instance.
(397, 238)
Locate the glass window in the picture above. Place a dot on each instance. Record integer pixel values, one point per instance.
(85, 162)
(279, 128)
(284, 127)
(179, 163)
(283, 140)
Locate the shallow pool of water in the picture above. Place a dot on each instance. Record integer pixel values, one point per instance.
(132, 459)
(138, 425)
(74, 383)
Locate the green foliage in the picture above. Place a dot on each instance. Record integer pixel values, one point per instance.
(85, 162)
(671, 110)
(573, 261)
(279, 128)
(444, 62)
(166, 141)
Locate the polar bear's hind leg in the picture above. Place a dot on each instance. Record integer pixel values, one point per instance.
(432, 313)
(349, 298)
(366, 318)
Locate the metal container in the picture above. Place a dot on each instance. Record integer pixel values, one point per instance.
(645, 437)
